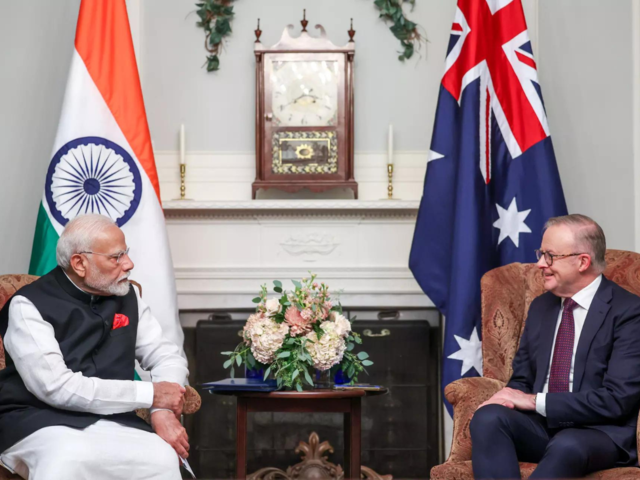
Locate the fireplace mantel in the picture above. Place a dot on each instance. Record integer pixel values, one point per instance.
(224, 250)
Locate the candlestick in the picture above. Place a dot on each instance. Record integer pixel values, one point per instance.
(390, 145)
(183, 172)
(182, 146)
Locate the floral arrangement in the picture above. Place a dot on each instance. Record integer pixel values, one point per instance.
(292, 335)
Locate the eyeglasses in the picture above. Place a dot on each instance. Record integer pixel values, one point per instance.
(115, 256)
(548, 257)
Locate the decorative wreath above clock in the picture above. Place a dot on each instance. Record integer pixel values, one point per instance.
(216, 15)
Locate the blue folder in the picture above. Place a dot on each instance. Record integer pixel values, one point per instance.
(240, 385)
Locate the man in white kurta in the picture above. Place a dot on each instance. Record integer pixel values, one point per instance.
(105, 449)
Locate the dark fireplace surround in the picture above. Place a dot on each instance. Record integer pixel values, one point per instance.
(401, 431)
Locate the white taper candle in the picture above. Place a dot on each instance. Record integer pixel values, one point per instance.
(183, 158)
(390, 145)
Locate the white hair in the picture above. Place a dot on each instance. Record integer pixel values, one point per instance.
(78, 236)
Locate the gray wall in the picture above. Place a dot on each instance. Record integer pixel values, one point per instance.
(218, 109)
(585, 58)
(36, 43)
(585, 61)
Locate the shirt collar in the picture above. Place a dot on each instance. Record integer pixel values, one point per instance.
(91, 297)
(585, 296)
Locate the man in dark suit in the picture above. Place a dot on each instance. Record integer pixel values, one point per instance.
(572, 402)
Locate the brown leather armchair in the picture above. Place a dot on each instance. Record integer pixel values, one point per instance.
(507, 293)
(9, 284)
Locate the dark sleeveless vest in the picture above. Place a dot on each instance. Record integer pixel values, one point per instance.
(82, 324)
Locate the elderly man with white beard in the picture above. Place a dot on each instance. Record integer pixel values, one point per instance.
(67, 394)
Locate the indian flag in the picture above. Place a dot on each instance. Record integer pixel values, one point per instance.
(102, 160)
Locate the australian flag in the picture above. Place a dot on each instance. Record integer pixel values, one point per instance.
(492, 179)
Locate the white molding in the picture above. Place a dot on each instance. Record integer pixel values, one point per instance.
(635, 35)
(279, 205)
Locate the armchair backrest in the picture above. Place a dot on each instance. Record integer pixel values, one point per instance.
(10, 284)
(507, 293)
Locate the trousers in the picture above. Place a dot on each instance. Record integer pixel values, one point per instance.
(501, 437)
(103, 451)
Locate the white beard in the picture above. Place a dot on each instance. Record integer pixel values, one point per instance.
(118, 288)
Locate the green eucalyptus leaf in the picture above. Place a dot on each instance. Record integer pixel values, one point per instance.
(307, 377)
(277, 289)
(233, 373)
(358, 340)
(350, 346)
(295, 374)
(277, 283)
(296, 283)
(226, 353)
(239, 360)
(257, 300)
(266, 373)
(228, 363)
(298, 387)
(363, 355)
(285, 354)
(367, 363)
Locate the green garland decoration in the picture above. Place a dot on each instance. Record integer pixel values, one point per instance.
(403, 29)
(215, 18)
(216, 15)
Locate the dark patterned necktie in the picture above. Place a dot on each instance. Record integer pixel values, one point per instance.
(563, 351)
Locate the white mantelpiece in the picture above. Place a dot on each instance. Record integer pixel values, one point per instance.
(224, 250)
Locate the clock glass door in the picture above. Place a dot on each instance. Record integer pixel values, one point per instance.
(302, 105)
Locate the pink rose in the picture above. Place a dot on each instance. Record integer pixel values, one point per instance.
(297, 323)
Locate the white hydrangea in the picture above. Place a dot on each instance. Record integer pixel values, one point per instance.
(266, 337)
(328, 350)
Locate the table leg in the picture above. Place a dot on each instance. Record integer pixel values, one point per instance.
(241, 438)
(352, 441)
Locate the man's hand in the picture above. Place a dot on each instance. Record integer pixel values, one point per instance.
(512, 398)
(167, 426)
(168, 395)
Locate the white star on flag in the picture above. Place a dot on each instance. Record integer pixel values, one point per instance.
(433, 155)
(470, 352)
(511, 222)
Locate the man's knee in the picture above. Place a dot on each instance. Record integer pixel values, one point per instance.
(163, 457)
(566, 445)
(489, 418)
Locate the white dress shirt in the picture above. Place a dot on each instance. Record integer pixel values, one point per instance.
(583, 299)
(31, 343)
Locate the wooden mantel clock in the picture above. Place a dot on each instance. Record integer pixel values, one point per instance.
(304, 113)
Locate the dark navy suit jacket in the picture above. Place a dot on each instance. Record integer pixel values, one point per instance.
(606, 379)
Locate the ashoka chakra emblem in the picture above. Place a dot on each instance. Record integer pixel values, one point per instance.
(93, 175)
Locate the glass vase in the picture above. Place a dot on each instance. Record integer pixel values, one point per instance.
(341, 377)
(323, 380)
(254, 373)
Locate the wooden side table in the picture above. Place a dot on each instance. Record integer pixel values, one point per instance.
(346, 402)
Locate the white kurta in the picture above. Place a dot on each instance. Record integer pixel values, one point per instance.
(105, 450)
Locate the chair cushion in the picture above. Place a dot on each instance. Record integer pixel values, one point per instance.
(10, 284)
(464, 471)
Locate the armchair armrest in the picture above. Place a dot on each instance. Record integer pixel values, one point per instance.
(466, 395)
(192, 403)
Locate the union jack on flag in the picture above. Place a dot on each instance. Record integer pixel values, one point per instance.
(492, 179)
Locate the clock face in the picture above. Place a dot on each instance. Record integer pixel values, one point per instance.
(304, 93)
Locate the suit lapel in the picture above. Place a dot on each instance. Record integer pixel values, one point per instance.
(595, 316)
(547, 331)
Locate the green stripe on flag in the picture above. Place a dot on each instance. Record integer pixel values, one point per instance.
(43, 254)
